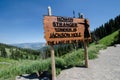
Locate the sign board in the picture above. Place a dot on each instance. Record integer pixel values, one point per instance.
(65, 30)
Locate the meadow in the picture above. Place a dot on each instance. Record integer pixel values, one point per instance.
(9, 68)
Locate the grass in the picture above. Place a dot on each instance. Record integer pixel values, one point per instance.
(15, 68)
(10, 68)
(108, 40)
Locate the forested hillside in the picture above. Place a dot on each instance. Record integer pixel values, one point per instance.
(8, 51)
(60, 49)
(107, 28)
(12, 52)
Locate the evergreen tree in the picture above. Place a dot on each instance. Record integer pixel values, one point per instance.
(107, 28)
(3, 52)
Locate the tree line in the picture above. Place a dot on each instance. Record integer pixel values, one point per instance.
(13, 52)
(8, 51)
(60, 50)
(107, 28)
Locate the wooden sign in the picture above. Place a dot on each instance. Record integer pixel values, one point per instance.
(65, 30)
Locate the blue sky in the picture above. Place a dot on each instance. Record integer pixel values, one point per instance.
(21, 21)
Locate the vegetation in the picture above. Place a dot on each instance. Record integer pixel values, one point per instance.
(9, 68)
(106, 29)
(60, 50)
(16, 53)
(111, 39)
(16, 61)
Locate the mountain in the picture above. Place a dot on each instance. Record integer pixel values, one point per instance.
(34, 46)
(12, 52)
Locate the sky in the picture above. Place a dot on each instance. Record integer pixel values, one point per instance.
(21, 21)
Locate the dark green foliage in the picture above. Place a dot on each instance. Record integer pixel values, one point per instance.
(109, 27)
(60, 50)
(63, 49)
(58, 70)
(12, 52)
(116, 39)
(119, 37)
(75, 58)
(60, 63)
(109, 40)
(3, 52)
(46, 52)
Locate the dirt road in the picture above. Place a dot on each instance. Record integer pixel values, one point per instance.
(105, 67)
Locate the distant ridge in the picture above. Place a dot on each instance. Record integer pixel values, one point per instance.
(35, 46)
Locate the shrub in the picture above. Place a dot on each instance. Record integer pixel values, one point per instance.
(60, 63)
(73, 59)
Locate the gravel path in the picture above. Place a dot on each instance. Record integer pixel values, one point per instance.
(105, 67)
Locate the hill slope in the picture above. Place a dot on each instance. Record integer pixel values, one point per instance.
(8, 51)
(111, 39)
(72, 59)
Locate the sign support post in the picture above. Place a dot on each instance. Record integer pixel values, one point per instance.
(53, 64)
(65, 30)
(52, 53)
(86, 54)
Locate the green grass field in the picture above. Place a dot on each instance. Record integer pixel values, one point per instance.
(10, 68)
(108, 40)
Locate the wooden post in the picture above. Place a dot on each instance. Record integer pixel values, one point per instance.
(86, 54)
(52, 52)
(53, 64)
(49, 11)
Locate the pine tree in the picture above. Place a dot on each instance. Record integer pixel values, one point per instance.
(3, 53)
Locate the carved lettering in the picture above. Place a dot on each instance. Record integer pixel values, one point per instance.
(61, 30)
(64, 19)
(64, 24)
(65, 29)
(64, 35)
